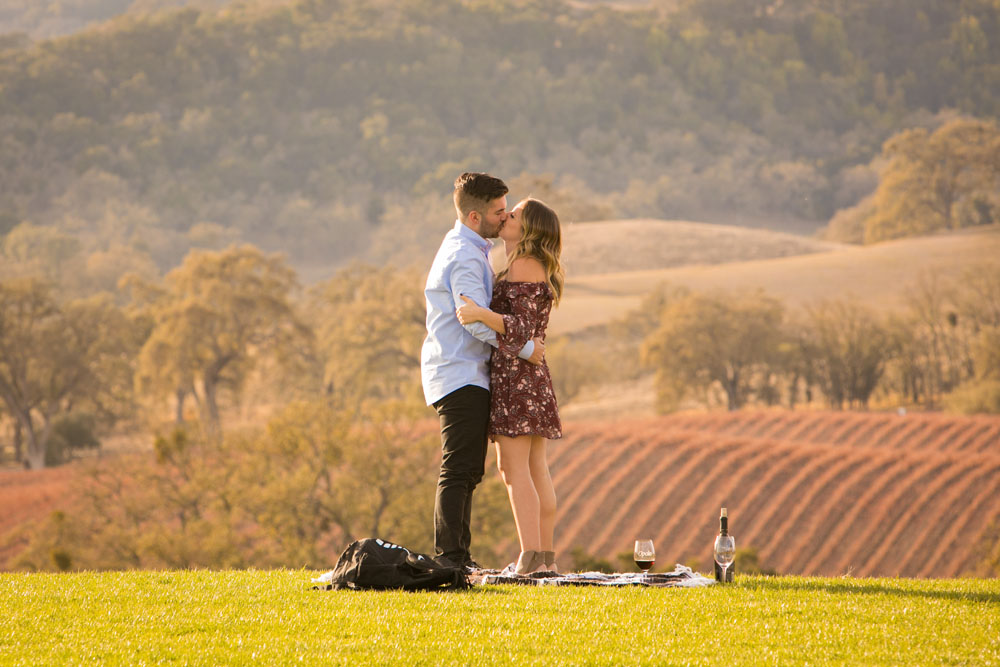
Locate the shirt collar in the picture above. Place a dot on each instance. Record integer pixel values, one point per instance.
(483, 244)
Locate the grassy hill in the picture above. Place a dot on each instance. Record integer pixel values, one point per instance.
(817, 493)
(270, 617)
(877, 274)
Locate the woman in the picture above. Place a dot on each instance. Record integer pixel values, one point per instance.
(523, 410)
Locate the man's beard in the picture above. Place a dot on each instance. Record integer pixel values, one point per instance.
(492, 232)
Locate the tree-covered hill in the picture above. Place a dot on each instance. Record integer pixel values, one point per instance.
(318, 126)
(37, 19)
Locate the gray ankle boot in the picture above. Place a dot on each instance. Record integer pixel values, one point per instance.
(528, 562)
(549, 558)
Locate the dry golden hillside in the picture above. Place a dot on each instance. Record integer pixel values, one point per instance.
(879, 274)
(637, 245)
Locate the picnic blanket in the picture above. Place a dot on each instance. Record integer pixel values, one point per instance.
(681, 577)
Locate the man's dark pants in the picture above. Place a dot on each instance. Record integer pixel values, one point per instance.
(465, 415)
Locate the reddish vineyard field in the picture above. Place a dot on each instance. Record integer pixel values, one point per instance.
(26, 497)
(823, 493)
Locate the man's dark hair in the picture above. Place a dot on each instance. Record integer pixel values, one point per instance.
(473, 191)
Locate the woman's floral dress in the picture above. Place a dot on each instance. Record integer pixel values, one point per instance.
(522, 400)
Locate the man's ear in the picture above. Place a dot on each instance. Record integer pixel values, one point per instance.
(475, 219)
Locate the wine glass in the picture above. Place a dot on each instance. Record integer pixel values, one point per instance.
(725, 551)
(644, 555)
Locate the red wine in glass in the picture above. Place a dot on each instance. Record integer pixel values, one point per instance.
(644, 555)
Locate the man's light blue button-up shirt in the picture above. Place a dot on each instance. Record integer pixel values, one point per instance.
(454, 355)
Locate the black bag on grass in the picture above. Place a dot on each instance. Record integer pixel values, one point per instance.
(375, 564)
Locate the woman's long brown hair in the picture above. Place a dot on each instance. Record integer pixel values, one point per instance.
(541, 238)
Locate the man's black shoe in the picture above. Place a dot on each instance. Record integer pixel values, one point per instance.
(444, 561)
(472, 566)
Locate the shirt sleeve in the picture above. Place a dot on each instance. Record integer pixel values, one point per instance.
(467, 279)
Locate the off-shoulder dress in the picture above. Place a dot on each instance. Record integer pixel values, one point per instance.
(522, 399)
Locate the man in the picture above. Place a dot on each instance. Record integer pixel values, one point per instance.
(454, 360)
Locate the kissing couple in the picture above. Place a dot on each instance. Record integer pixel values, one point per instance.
(483, 366)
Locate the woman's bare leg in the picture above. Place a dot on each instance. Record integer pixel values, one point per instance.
(542, 480)
(512, 460)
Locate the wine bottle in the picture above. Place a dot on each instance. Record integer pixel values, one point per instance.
(723, 532)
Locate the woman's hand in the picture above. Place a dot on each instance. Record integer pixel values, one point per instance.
(470, 312)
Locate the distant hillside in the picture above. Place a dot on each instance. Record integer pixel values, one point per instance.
(638, 245)
(311, 126)
(42, 20)
(877, 274)
(817, 493)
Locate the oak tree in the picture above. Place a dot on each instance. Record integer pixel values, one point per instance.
(721, 339)
(214, 317)
(56, 357)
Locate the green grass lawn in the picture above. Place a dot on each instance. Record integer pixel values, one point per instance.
(271, 617)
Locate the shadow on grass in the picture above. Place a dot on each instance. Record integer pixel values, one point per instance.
(471, 590)
(481, 589)
(860, 586)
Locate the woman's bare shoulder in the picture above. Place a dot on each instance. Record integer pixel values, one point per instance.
(526, 270)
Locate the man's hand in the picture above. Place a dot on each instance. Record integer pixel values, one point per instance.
(538, 355)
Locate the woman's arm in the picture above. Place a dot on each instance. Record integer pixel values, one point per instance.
(520, 324)
(473, 312)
